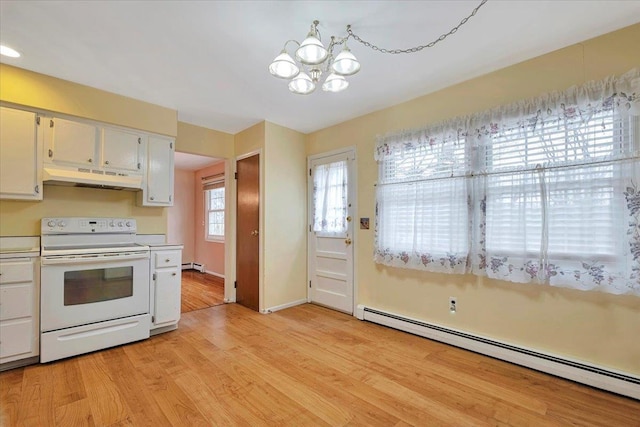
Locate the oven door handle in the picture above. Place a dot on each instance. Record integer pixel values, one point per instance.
(92, 259)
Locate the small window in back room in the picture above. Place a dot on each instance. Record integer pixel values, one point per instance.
(214, 210)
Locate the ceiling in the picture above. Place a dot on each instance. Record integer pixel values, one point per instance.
(208, 59)
(193, 162)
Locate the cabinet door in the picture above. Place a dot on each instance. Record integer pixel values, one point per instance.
(121, 149)
(16, 339)
(159, 186)
(167, 296)
(71, 142)
(21, 161)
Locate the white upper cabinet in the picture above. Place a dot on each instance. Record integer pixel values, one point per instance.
(122, 149)
(70, 142)
(158, 187)
(21, 160)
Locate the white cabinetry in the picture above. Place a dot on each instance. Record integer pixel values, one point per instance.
(71, 143)
(157, 190)
(165, 292)
(122, 149)
(93, 154)
(21, 158)
(82, 144)
(19, 306)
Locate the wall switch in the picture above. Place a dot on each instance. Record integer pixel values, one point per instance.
(453, 304)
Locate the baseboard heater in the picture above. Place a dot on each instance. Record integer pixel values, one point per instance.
(606, 379)
(193, 266)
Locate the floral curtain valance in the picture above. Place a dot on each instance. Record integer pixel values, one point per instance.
(621, 94)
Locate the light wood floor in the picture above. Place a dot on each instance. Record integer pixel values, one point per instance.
(304, 366)
(200, 290)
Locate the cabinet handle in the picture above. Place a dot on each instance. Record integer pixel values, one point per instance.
(151, 198)
(173, 274)
(90, 160)
(167, 260)
(106, 162)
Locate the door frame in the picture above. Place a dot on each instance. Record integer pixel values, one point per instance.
(230, 290)
(353, 185)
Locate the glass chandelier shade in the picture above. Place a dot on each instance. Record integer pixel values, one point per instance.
(283, 66)
(345, 63)
(311, 50)
(302, 84)
(335, 83)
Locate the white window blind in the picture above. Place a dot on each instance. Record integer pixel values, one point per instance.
(213, 187)
(544, 191)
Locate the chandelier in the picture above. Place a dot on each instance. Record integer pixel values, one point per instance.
(312, 59)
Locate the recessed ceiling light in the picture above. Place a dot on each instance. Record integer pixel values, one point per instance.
(7, 51)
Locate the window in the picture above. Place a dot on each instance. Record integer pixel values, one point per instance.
(330, 198)
(214, 207)
(542, 191)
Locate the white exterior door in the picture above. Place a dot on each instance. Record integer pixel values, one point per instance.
(331, 192)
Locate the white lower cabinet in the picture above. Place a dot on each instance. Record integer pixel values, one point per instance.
(166, 282)
(19, 309)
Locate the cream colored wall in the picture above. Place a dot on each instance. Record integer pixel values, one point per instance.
(595, 327)
(180, 221)
(24, 88)
(285, 216)
(194, 139)
(210, 254)
(22, 218)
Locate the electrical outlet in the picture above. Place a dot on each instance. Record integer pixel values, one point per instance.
(453, 304)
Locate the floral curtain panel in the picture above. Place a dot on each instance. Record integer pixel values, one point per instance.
(541, 191)
(330, 198)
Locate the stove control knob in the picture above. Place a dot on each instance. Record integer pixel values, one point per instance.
(112, 224)
(120, 224)
(61, 224)
(128, 223)
(51, 223)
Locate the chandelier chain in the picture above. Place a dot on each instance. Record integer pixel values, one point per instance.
(417, 48)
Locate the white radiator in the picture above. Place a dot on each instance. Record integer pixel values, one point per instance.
(194, 266)
(617, 382)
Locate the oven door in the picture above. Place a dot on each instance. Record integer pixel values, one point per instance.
(82, 289)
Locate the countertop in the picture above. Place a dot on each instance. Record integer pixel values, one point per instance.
(19, 247)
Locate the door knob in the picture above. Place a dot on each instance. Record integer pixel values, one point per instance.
(254, 233)
(349, 218)
(347, 241)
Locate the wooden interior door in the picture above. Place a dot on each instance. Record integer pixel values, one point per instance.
(248, 230)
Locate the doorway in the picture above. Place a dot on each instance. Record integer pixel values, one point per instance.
(248, 232)
(194, 221)
(331, 238)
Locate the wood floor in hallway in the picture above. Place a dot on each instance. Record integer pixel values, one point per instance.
(303, 366)
(200, 290)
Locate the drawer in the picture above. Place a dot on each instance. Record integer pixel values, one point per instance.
(16, 337)
(168, 259)
(16, 301)
(16, 272)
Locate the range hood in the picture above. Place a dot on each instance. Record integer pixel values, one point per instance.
(89, 177)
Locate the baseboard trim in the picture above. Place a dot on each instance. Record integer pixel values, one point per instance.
(283, 306)
(596, 376)
(213, 273)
